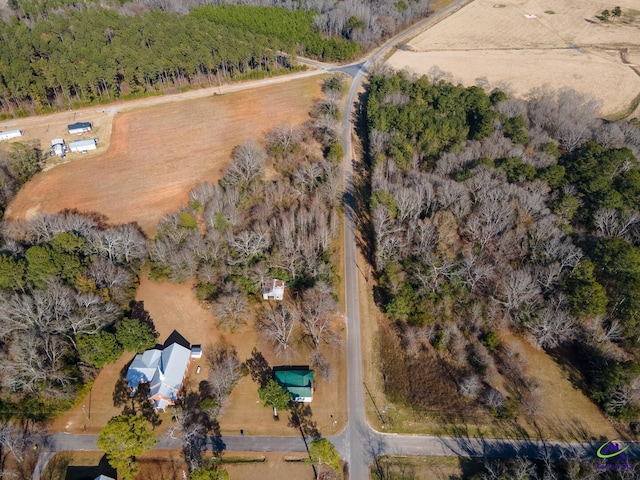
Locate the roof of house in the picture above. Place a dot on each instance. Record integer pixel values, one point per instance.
(168, 377)
(103, 477)
(297, 381)
(79, 125)
(273, 286)
(163, 369)
(83, 143)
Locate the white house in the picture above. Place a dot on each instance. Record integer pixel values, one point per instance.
(79, 128)
(83, 146)
(58, 147)
(273, 289)
(9, 134)
(164, 370)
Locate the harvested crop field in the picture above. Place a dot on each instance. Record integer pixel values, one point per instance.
(533, 43)
(157, 154)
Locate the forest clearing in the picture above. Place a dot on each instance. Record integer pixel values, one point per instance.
(524, 44)
(156, 155)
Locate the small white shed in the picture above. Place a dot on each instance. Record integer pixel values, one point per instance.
(9, 134)
(83, 146)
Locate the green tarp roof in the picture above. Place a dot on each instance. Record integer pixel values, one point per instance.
(298, 383)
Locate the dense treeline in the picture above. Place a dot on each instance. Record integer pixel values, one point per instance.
(96, 54)
(293, 25)
(367, 22)
(502, 213)
(66, 282)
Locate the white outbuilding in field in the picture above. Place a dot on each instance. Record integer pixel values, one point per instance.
(58, 147)
(79, 128)
(9, 134)
(83, 146)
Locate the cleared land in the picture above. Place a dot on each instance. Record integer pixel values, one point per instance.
(175, 307)
(532, 43)
(156, 154)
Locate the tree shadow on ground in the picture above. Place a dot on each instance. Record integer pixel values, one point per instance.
(300, 417)
(259, 369)
(137, 310)
(134, 403)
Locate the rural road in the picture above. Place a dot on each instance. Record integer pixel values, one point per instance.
(358, 444)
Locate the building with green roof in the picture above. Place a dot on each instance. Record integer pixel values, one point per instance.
(298, 381)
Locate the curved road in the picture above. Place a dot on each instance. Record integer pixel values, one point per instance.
(358, 444)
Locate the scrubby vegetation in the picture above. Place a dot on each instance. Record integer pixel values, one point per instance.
(491, 213)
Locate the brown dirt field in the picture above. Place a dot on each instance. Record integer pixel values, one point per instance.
(175, 307)
(157, 154)
(493, 41)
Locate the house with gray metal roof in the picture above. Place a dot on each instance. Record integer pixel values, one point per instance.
(164, 370)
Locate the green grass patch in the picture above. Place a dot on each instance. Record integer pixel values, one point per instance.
(549, 12)
(257, 459)
(499, 5)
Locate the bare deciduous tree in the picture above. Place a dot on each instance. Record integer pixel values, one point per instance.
(247, 164)
(317, 310)
(553, 326)
(225, 371)
(278, 325)
(230, 308)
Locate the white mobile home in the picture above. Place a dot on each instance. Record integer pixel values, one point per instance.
(58, 147)
(79, 128)
(83, 146)
(9, 134)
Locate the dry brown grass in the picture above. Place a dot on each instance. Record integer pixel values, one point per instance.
(157, 154)
(484, 43)
(565, 412)
(175, 307)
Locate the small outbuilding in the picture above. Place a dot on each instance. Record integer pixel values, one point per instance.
(9, 134)
(273, 289)
(58, 147)
(196, 351)
(83, 146)
(79, 128)
(298, 381)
